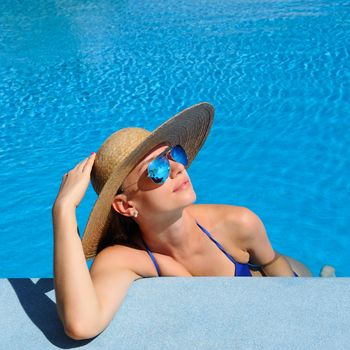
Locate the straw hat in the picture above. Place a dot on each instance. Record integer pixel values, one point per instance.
(123, 150)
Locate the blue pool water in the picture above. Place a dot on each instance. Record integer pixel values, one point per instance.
(277, 72)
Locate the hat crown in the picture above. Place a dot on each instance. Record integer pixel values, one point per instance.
(113, 152)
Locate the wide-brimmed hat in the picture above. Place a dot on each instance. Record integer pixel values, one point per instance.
(124, 149)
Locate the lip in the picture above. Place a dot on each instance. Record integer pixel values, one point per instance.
(182, 183)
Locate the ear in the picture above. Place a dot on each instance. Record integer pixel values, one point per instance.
(122, 205)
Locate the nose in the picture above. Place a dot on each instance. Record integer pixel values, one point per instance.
(175, 168)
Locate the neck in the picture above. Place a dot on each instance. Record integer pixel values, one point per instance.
(176, 237)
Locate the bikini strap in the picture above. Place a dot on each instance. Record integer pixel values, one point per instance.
(152, 256)
(217, 243)
(223, 250)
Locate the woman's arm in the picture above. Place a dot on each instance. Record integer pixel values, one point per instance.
(76, 299)
(75, 295)
(259, 247)
(86, 300)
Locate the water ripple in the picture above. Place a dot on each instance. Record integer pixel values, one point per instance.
(277, 73)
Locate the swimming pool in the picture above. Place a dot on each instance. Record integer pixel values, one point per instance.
(277, 72)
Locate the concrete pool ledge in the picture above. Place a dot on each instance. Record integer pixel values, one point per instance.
(188, 313)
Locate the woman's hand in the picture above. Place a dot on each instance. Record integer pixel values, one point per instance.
(75, 183)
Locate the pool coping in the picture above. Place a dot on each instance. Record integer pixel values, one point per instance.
(190, 312)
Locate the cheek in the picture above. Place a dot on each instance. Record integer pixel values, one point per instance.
(156, 200)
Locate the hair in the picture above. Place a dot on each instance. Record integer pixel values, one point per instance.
(119, 230)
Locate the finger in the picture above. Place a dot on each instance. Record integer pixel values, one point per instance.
(81, 165)
(87, 162)
(90, 162)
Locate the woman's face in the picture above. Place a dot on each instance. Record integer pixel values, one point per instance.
(151, 198)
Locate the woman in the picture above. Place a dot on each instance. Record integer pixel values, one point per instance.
(144, 223)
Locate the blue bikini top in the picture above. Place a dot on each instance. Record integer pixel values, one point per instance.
(240, 270)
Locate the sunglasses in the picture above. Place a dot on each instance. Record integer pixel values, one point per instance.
(159, 169)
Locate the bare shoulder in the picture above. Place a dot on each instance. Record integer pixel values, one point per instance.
(117, 257)
(214, 213)
(236, 222)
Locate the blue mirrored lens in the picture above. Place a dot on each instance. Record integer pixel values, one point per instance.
(179, 155)
(158, 170)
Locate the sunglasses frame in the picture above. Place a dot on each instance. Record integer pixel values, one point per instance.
(164, 154)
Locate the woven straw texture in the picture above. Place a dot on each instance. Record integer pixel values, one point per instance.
(125, 148)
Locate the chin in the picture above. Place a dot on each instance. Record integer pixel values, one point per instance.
(194, 197)
(186, 198)
(190, 198)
